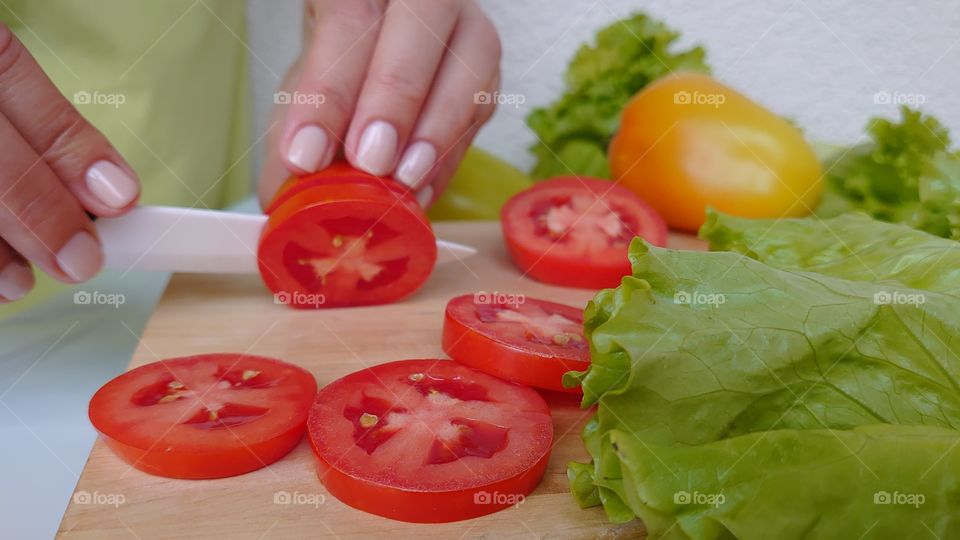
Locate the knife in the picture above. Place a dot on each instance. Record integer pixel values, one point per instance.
(174, 239)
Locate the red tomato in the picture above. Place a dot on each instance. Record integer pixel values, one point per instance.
(204, 416)
(524, 340)
(575, 231)
(331, 243)
(339, 172)
(429, 441)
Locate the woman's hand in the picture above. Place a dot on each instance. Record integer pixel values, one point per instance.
(54, 168)
(399, 87)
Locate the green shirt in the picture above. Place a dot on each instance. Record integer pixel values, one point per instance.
(165, 81)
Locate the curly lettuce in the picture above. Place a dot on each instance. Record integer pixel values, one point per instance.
(905, 174)
(573, 133)
(741, 395)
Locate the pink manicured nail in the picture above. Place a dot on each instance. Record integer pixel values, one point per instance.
(308, 148)
(81, 257)
(425, 196)
(378, 148)
(111, 184)
(416, 163)
(16, 280)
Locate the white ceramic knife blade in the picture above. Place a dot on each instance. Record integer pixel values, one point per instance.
(173, 239)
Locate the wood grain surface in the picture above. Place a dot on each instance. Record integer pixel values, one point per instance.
(212, 313)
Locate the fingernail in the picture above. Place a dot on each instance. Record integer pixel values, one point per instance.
(378, 146)
(81, 257)
(16, 280)
(425, 196)
(416, 163)
(308, 148)
(111, 184)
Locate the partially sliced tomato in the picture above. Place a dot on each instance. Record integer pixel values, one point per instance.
(575, 231)
(520, 339)
(344, 244)
(339, 172)
(429, 441)
(204, 416)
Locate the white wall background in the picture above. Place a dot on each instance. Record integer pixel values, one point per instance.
(819, 62)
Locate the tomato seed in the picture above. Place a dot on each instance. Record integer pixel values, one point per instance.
(368, 420)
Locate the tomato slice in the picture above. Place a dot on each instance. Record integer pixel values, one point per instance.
(574, 231)
(343, 244)
(429, 441)
(204, 416)
(529, 341)
(339, 172)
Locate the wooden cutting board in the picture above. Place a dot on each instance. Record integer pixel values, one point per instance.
(212, 313)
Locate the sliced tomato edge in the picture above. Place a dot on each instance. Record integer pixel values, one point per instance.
(583, 276)
(458, 339)
(336, 191)
(336, 174)
(415, 506)
(157, 462)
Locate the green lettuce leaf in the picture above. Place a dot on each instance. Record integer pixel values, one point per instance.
(905, 174)
(939, 193)
(812, 484)
(850, 246)
(573, 133)
(735, 399)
